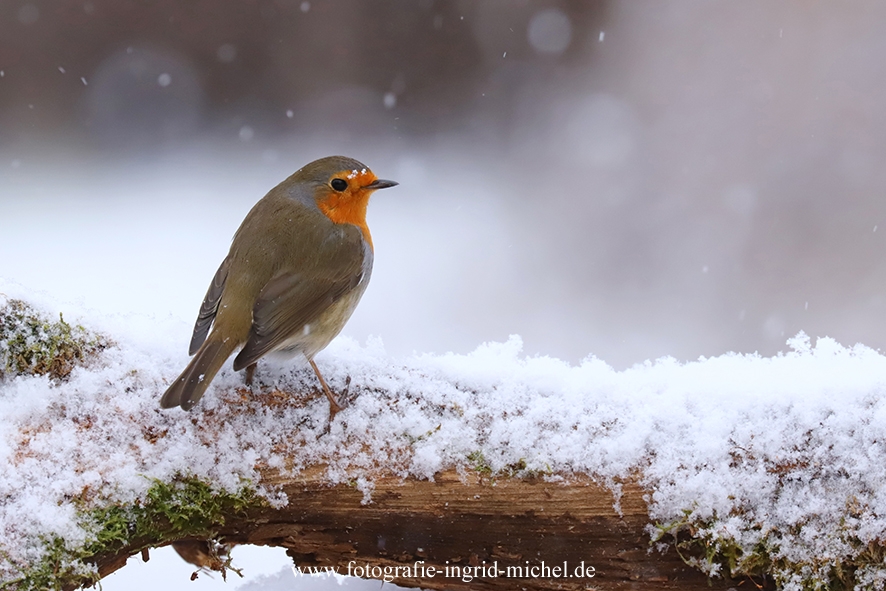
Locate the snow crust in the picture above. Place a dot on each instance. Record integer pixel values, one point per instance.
(786, 450)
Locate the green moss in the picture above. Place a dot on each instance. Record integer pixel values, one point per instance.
(519, 469)
(170, 511)
(699, 546)
(479, 463)
(31, 344)
(58, 569)
(413, 440)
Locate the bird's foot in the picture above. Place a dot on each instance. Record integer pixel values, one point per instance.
(250, 373)
(343, 401)
(337, 404)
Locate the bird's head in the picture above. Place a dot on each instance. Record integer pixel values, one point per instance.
(341, 188)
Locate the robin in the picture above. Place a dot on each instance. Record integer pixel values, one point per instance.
(297, 268)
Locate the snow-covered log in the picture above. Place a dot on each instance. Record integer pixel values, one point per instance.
(768, 468)
(463, 530)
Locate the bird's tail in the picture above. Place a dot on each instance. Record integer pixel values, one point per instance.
(193, 381)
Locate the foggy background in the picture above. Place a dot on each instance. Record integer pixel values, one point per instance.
(623, 179)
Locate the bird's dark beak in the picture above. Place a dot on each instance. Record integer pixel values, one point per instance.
(380, 184)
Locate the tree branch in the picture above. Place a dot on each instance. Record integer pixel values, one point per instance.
(460, 521)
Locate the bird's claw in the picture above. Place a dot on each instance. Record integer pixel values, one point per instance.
(336, 405)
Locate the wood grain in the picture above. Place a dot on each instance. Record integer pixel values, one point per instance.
(461, 520)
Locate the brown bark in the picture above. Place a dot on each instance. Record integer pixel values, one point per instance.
(462, 520)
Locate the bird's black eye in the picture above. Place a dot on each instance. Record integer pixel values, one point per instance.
(339, 184)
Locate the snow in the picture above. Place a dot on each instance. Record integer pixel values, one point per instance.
(787, 450)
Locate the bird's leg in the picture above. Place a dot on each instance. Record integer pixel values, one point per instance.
(334, 406)
(250, 373)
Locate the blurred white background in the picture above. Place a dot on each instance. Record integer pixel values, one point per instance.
(623, 179)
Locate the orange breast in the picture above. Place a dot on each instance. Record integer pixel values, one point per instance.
(349, 206)
(342, 208)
